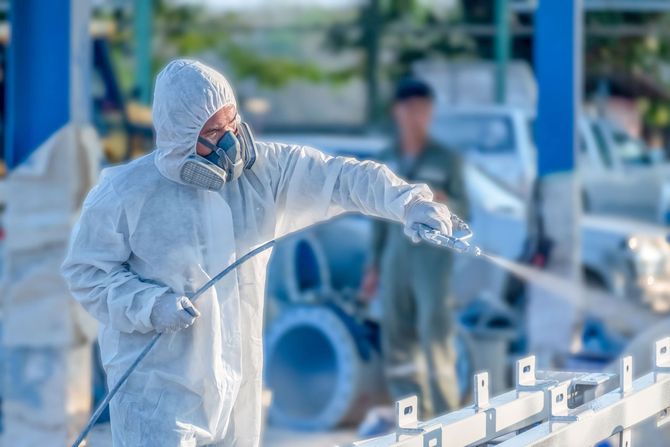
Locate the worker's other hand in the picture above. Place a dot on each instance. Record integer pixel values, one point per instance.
(434, 215)
(370, 284)
(173, 312)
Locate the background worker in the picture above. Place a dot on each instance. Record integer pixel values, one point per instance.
(413, 278)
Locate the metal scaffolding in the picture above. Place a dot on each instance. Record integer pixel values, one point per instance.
(546, 408)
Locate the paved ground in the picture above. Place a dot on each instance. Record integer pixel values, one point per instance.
(274, 437)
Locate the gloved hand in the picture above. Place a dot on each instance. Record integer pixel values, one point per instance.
(172, 312)
(431, 214)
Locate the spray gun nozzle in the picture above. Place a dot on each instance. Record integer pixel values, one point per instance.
(463, 247)
(455, 243)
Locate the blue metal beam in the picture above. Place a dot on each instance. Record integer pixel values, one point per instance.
(558, 67)
(628, 5)
(603, 5)
(38, 75)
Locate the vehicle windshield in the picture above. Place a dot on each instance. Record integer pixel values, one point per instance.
(630, 150)
(488, 134)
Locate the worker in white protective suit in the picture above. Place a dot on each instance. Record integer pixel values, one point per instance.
(156, 229)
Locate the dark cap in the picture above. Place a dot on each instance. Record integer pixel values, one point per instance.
(412, 88)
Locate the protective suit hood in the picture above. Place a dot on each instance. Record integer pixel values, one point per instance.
(186, 95)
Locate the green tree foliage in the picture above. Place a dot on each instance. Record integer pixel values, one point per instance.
(619, 44)
(404, 31)
(190, 30)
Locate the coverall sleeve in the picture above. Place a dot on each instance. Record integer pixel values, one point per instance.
(314, 186)
(96, 269)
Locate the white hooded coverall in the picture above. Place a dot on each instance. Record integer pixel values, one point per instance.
(143, 233)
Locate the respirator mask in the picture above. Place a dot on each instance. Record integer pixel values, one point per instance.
(234, 152)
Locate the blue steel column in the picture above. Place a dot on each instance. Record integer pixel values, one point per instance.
(553, 317)
(38, 75)
(52, 156)
(558, 67)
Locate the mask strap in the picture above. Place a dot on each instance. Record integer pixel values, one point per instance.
(208, 144)
(248, 146)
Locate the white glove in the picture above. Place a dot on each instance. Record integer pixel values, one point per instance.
(431, 214)
(172, 312)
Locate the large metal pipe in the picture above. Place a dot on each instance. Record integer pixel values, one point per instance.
(346, 243)
(321, 368)
(298, 270)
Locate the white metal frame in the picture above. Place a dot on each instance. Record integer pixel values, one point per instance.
(548, 409)
(488, 419)
(615, 412)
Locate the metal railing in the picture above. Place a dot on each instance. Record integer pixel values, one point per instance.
(546, 408)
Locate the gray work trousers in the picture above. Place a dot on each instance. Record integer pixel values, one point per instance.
(417, 330)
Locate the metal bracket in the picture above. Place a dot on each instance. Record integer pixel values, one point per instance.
(663, 418)
(432, 436)
(481, 390)
(559, 400)
(626, 375)
(558, 396)
(525, 373)
(526, 378)
(407, 420)
(662, 356)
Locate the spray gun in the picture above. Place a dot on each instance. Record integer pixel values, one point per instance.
(458, 241)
